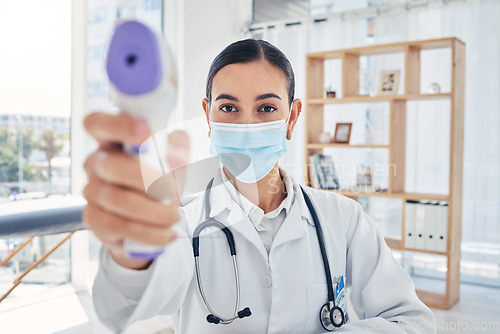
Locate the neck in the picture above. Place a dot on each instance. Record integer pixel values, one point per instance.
(266, 193)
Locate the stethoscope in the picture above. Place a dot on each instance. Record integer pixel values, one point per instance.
(331, 316)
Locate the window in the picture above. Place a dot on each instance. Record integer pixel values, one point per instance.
(95, 52)
(35, 111)
(96, 16)
(96, 89)
(34, 126)
(152, 5)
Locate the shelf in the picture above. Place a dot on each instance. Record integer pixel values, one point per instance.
(409, 97)
(433, 299)
(405, 196)
(379, 98)
(398, 245)
(338, 145)
(386, 48)
(421, 196)
(351, 99)
(397, 106)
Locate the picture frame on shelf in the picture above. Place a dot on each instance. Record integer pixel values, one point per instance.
(388, 82)
(342, 133)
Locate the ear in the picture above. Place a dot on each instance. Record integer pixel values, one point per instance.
(294, 114)
(206, 107)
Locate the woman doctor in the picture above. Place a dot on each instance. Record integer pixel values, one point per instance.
(291, 276)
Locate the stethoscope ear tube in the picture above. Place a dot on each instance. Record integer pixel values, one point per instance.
(213, 317)
(211, 222)
(244, 313)
(196, 246)
(196, 236)
(230, 240)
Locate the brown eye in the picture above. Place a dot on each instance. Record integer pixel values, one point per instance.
(268, 109)
(228, 108)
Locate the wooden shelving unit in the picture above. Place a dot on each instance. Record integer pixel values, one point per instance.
(315, 102)
(382, 98)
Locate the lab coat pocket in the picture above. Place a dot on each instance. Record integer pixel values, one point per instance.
(317, 296)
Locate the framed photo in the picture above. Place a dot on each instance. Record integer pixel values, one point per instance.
(342, 133)
(388, 82)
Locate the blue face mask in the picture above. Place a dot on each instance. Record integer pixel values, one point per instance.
(248, 151)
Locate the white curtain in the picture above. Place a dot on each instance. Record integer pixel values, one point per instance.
(476, 24)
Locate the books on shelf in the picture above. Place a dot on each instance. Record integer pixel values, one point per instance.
(322, 172)
(364, 188)
(426, 225)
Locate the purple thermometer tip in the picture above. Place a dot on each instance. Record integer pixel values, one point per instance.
(143, 256)
(134, 63)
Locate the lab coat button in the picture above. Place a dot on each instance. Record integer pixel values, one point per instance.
(266, 281)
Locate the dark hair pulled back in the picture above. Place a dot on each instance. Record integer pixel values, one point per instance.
(249, 50)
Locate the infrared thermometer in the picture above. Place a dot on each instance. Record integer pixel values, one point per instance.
(143, 84)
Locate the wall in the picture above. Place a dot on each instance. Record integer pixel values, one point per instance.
(204, 28)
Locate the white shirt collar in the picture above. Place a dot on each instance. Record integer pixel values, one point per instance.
(253, 211)
(220, 200)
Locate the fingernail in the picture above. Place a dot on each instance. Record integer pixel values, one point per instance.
(141, 130)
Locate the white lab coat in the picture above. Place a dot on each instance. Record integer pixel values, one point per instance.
(284, 290)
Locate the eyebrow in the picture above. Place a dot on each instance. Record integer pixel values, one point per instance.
(267, 96)
(226, 97)
(260, 97)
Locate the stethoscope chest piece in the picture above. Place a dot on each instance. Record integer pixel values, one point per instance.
(331, 318)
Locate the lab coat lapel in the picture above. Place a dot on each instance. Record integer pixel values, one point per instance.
(293, 227)
(304, 210)
(241, 223)
(236, 219)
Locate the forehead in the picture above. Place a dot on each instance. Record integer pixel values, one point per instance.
(249, 78)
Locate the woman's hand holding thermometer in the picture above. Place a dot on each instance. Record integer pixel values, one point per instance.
(118, 206)
(134, 226)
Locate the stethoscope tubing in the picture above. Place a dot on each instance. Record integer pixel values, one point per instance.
(319, 234)
(224, 321)
(232, 249)
(209, 221)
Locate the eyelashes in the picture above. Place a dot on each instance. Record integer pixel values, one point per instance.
(224, 108)
(227, 108)
(266, 109)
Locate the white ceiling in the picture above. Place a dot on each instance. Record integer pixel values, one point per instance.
(271, 10)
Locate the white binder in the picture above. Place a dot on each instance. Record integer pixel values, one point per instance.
(442, 227)
(420, 225)
(431, 225)
(410, 219)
